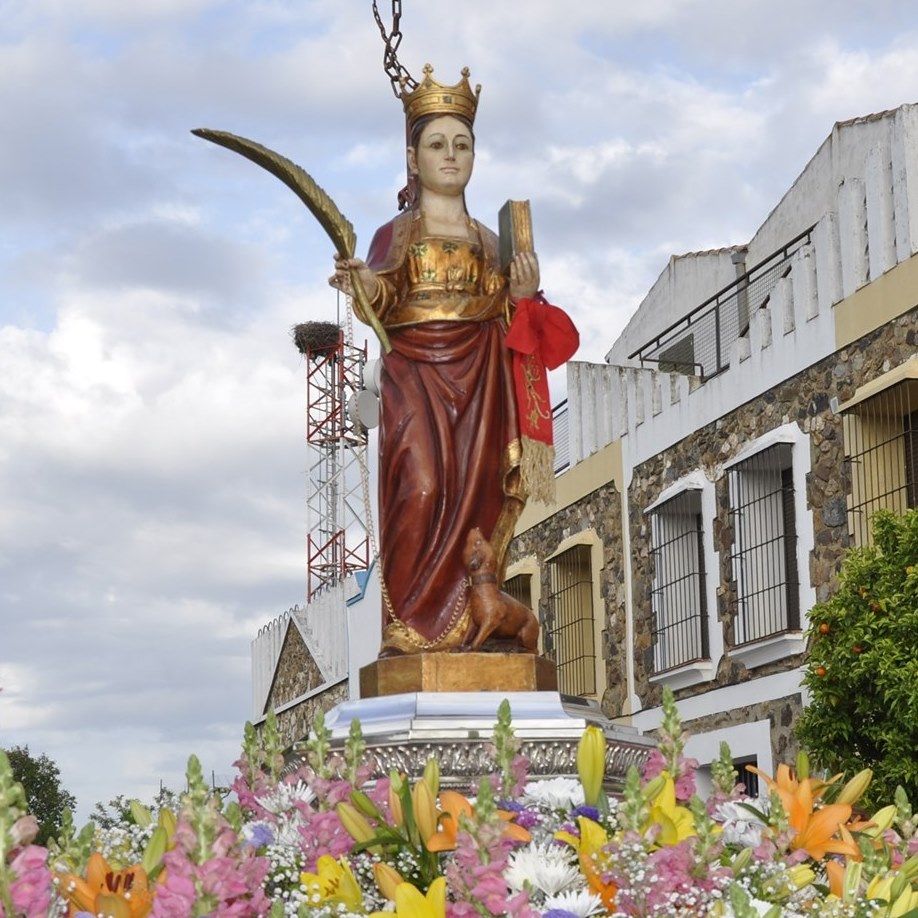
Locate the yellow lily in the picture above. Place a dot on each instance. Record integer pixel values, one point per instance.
(676, 822)
(395, 804)
(431, 776)
(355, 824)
(893, 889)
(594, 859)
(424, 805)
(854, 789)
(801, 875)
(387, 879)
(410, 902)
(333, 882)
(591, 763)
(881, 820)
(107, 892)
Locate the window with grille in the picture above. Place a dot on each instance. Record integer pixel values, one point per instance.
(680, 617)
(764, 545)
(881, 442)
(749, 778)
(520, 588)
(570, 638)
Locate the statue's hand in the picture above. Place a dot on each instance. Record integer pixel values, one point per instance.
(524, 275)
(341, 279)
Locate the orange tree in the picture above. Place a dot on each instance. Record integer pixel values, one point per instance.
(862, 670)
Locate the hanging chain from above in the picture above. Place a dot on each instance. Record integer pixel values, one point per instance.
(397, 73)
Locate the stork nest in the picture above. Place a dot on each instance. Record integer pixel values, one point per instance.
(315, 336)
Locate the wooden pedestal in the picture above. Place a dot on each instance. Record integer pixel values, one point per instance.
(458, 672)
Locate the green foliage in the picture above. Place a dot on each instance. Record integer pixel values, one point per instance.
(41, 780)
(506, 747)
(723, 775)
(862, 672)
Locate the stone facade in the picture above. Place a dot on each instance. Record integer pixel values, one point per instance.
(599, 511)
(781, 714)
(805, 400)
(297, 674)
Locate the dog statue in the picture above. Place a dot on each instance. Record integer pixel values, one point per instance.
(495, 613)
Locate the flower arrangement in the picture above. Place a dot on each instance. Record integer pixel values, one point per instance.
(324, 842)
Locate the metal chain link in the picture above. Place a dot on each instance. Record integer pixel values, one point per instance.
(397, 73)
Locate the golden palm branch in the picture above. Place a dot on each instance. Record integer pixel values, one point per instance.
(323, 208)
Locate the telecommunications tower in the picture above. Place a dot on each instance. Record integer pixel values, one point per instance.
(339, 522)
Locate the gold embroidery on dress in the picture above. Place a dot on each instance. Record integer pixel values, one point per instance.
(536, 405)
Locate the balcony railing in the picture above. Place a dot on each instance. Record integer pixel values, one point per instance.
(699, 343)
(561, 421)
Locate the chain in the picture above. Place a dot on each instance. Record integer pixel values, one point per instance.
(365, 487)
(397, 73)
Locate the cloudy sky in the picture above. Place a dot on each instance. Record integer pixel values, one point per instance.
(152, 466)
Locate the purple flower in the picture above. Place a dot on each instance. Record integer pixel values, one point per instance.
(260, 835)
(589, 811)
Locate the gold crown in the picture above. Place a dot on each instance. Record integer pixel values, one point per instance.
(433, 98)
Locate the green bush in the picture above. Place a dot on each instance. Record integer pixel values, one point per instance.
(862, 671)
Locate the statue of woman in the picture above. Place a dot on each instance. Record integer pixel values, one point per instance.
(449, 441)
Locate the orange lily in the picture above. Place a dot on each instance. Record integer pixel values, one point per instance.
(815, 829)
(107, 892)
(453, 805)
(835, 873)
(511, 830)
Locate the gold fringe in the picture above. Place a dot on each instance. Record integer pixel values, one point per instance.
(537, 468)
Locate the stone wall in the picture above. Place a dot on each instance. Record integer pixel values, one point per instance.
(804, 400)
(601, 512)
(781, 713)
(297, 673)
(295, 723)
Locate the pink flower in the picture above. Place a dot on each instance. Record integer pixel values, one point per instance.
(654, 765)
(30, 891)
(323, 834)
(685, 783)
(175, 898)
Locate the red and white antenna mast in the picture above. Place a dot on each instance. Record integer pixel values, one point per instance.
(338, 539)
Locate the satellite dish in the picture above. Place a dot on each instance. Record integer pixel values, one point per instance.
(363, 409)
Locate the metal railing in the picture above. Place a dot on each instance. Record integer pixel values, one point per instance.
(764, 555)
(700, 342)
(561, 421)
(680, 615)
(881, 442)
(569, 625)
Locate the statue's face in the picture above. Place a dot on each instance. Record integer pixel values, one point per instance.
(444, 156)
